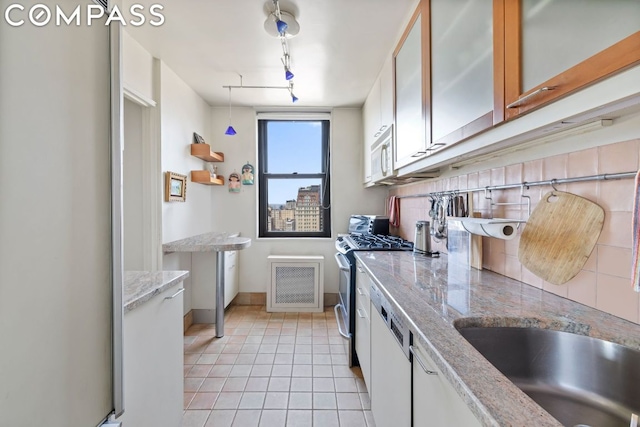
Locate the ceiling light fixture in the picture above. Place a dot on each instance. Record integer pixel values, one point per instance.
(283, 25)
(230, 130)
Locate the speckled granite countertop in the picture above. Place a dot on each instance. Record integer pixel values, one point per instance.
(433, 298)
(141, 286)
(208, 242)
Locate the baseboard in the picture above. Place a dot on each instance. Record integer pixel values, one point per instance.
(260, 298)
(204, 315)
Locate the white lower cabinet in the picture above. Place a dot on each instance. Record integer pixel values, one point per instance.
(390, 377)
(435, 401)
(153, 362)
(231, 285)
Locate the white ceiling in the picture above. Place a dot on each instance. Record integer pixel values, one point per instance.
(336, 57)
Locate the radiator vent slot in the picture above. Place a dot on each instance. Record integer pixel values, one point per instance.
(296, 283)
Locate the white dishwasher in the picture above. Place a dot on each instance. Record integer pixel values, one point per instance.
(390, 364)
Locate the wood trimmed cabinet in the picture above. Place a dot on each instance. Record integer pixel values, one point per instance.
(489, 61)
(596, 23)
(203, 152)
(411, 71)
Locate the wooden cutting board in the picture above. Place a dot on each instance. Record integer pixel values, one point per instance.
(559, 236)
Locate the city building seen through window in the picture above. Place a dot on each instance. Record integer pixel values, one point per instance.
(293, 175)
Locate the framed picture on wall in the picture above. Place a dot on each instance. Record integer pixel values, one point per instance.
(175, 187)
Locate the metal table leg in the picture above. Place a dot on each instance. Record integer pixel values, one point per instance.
(220, 294)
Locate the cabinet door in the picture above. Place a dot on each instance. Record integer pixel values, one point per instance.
(153, 360)
(231, 286)
(370, 117)
(555, 47)
(462, 69)
(411, 67)
(363, 342)
(386, 95)
(363, 328)
(390, 377)
(435, 401)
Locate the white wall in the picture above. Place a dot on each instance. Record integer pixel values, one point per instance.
(133, 220)
(137, 68)
(182, 113)
(237, 212)
(55, 227)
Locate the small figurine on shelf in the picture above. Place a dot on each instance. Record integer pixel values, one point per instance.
(247, 174)
(213, 170)
(197, 139)
(234, 183)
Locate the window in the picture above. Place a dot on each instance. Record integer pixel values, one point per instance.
(293, 175)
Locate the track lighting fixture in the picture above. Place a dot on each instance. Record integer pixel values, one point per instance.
(283, 25)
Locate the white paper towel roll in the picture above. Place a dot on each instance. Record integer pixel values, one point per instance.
(503, 229)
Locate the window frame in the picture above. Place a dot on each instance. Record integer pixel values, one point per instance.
(264, 177)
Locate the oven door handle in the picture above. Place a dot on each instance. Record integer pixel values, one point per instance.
(341, 265)
(335, 310)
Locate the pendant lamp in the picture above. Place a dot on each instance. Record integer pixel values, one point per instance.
(230, 130)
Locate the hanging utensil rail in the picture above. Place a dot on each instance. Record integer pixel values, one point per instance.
(551, 182)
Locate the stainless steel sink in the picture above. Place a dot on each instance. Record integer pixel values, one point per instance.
(580, 381)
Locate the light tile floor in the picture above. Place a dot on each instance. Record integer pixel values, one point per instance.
(272, 370)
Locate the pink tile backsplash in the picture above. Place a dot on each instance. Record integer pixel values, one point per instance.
(614, 261)
(583, 163)
(582, 288)
(604, 281)
(615, 296)
(620, 157)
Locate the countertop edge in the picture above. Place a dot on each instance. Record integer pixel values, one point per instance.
(208, 242)
(144, 285)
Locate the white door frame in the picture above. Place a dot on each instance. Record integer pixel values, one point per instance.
(151, 172)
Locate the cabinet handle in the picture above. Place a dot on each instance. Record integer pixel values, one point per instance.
(420, 362)
(335, 311)
(436, 145)
(383, 127)
(383, 160)
(360, 269)
(531, 95)
(181, 290)
(360, 313)
(377, 134)
(359, 290)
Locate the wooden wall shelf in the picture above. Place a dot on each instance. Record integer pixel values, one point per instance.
(204, 177)
(203, 151)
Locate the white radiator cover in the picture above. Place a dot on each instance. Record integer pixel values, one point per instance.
(297, 283)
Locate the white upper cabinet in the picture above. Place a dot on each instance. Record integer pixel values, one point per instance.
(377, 114)
(410, 141)
(386, 95)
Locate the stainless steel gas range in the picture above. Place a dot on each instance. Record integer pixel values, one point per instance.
(366, 233)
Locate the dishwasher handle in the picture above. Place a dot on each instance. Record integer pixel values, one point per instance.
(413, 351)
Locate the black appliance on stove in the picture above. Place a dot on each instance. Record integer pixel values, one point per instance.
(366, 233)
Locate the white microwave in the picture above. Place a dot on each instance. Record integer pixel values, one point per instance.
(382, 156)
